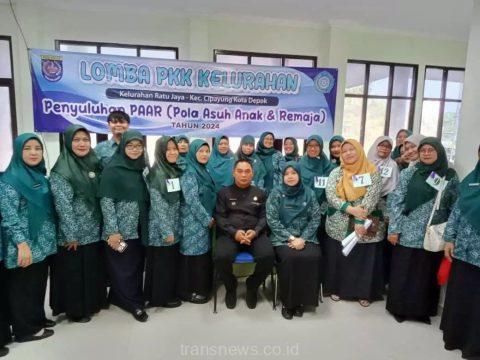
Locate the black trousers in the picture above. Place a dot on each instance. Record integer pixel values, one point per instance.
(27, 287)
(5, 333)
(125, 272)
(226, 251)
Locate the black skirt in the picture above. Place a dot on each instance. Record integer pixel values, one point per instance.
(161, 279)
(5, 333)
(298, 274)
(78, 281)
(461, 312)
(358, 276)
(196, 273)
(26, 293)
(413, 291)
(125, 271)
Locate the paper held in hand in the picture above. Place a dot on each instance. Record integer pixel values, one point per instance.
(351, 240)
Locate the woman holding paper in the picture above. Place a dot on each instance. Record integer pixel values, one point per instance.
(353, 191)
(124, 202)
(293, 215)
(461, 315)
(163, 250)
(197, 219)
(413, 292)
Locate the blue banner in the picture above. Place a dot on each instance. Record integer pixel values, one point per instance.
(169, 97)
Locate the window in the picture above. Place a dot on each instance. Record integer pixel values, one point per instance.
(442, 102)
(8, 121)
(252, 58)
(157, 52)
(379, 99)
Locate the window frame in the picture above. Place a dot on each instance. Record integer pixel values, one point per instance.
(389, 97)
(10, 83)
(443, 91)
(250, 54)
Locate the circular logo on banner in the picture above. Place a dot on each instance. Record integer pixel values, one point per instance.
(324, 82)
(52, 68)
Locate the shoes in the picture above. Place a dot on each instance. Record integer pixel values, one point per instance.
(298, 311)
(198, 298)
(46, 333)
(140, 315)
(251, 298)
(287, 313)
(399, 318)
(172, 304)
(81, 320)
(231, 298)
(49, 323)
(4, 351)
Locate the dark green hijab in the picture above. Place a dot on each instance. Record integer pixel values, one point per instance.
(182, 162)
(396, 152)
(259, 170)
(293, 156)
(162, 170)
(122, 179)
(83, 173)
(295, 200)
(31, 183)
(418, 191)
(265, 154)
(335, 161)
(220, 165)
(469, 198)
(317, 166)
(206, 186)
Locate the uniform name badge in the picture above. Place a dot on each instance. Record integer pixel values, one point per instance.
(173, 185)
(386, 171)
(320, 182)
(435, 181)
(362, 180)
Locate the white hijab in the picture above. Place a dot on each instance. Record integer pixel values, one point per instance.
(388, 183)
(414, 139)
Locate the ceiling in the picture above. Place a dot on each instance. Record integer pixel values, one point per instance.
(439, 18)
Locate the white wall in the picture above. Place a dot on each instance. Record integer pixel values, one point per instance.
(196, 39)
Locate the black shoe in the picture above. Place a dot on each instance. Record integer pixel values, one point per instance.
(198, 299)
(298, 311)
(287, 313)
(399, 318)
(425, 320)
(4, 351)
(172, 304)
(251, 298)
(140, 315)
(231, 299)
(81, 320)
(49, 323)
(46, 333)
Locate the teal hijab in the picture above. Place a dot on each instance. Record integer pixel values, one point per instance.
(182, 159)
(469, 198)
(220, 165)
(206, 186)
(163, 170)
(83, 173)
(31, 183)
(259, 170)
(293, 156)
(334, 160)
(418, 191)
(265, 154)
(313, 167)
(122, 179)
(295, 200)
(396, 152)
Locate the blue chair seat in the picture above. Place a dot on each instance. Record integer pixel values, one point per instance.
(244, 258)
